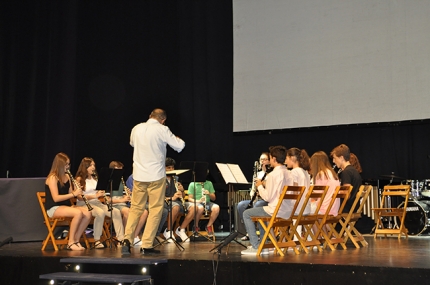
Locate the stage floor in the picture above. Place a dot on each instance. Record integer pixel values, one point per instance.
(389, 256)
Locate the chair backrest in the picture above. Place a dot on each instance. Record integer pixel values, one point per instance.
(316, 192)
(361, 198)
(41, 197)
(395, 190)
(344, 192)
(292, 193)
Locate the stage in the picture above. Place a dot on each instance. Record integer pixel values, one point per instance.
(384, 261)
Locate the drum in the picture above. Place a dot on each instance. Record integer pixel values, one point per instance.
(416, 216)
(425, 193)
(416, 188)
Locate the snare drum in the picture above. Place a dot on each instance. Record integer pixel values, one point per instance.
(416, 217)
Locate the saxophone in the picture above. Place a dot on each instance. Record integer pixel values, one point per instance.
(176, 182)
(75, 183)
(204, 202)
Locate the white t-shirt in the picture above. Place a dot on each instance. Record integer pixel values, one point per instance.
(302, 178)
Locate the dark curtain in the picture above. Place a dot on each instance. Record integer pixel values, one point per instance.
(76, 76)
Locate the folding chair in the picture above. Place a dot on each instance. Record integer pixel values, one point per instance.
(51, 224)
(332, 237)
(275, 224)
(349, 219)
(308, 221)
(387, 211)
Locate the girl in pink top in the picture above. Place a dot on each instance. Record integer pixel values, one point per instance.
(323, 174)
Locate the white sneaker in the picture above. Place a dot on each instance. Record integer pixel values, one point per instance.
(181, 233)
(137, 242)
(253, 251)
(166, 235)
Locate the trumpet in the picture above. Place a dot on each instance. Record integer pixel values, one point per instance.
(182, 198)
(75, 183)
(204, 202)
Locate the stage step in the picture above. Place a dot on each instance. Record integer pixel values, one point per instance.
(96, 277)
(113, 260)
(102, 277)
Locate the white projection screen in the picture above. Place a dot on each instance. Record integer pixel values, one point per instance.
(309, 63)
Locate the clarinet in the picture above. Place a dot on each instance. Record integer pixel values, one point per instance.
(182, 199)
(105, 201)
(126, 189)
(268, 170)
(255, 194)
(75, 183)
(204, 202)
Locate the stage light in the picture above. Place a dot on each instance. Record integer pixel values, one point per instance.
(77, 267)
(52, 282)
(143, 270)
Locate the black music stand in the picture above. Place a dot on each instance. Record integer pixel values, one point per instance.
(168, 201)
(199, 172)
(109, 179)
(232, 175)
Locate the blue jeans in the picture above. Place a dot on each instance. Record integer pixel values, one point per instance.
(250, 225)
(241, 207)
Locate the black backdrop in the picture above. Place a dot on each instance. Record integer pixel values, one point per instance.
(76, 76)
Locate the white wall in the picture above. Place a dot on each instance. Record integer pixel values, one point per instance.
(304, 63)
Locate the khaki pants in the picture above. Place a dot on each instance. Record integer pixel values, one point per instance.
(142, 191)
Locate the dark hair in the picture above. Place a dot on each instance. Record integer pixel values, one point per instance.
(279, 152)
(341, 150)
(353, 160)
(116, 164)
(301, 155)
(170, 161)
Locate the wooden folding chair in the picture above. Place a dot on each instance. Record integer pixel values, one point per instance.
(349, 219)
(272, 225)
(51, 224)
(387, 211)
(308, 221)
(331, 236)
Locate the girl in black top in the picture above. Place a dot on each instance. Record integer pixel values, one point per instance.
(58, 194)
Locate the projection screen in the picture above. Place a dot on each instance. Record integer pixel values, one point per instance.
(329, 62)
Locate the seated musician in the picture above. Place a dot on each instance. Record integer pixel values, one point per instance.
(58, 192)
(87, 178)
(121, 202)
(175, 195)
(255, 198)
(204, 194)
(275, 181)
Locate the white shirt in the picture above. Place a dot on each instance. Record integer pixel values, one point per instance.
(302, 178)
(149, 141)
(275, 182)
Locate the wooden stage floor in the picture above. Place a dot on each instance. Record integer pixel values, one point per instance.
(384, 261)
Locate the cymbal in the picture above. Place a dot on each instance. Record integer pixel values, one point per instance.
(392, 176)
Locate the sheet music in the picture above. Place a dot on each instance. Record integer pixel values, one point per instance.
(231, 173)
(237, 173)
(176, 171)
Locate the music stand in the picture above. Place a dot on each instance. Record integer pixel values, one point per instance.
(232, 175)
(169, 204)
(199, 172)
(109, 178)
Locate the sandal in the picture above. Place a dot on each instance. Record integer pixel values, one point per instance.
(98, 244)
(75, 246)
